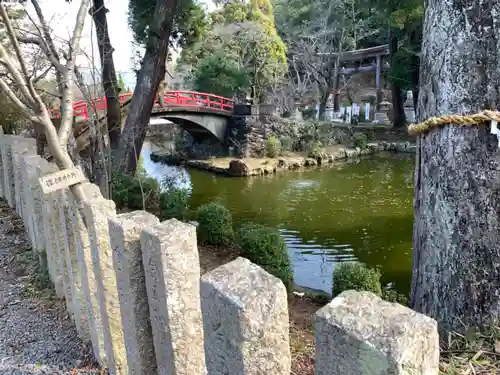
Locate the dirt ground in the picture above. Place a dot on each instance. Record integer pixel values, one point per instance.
(36, 334)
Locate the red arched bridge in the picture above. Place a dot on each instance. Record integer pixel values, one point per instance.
(201, 114)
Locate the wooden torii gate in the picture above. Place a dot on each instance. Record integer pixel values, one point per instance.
(359, 55)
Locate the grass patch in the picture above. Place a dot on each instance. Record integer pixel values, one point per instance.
(471, 353)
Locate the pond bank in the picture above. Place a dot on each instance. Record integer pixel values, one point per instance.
(246, 167)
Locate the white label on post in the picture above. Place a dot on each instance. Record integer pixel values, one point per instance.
(494, 127)
(62, 179)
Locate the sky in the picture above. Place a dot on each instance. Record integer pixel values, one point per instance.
(61, 19)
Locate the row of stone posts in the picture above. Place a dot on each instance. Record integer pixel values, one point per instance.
(132, 286)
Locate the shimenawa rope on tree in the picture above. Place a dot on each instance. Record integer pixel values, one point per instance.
(459, 120)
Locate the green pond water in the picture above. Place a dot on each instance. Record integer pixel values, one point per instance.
(357, 211)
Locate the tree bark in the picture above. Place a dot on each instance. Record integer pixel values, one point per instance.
(109, 81)
(398, 111)
(152, 72)
(456, 237)
(336, 99)
(322, 106)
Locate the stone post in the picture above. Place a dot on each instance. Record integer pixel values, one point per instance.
(125, 231)
(359, 333)
(172, 270)
(96, 213)
(5, 167)
(76, 295)
(22, 146)
(245, 319)
(52, 231)
(2, 178)
(60, 205)
(33, 201)
(84, 256)
(9, 177)
(29, 180)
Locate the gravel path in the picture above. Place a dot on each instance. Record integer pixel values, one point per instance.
(36, 334)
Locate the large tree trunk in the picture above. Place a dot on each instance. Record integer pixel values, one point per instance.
(398, 110)
(152, 72)
(456, 238)
(336, 99)
(322, 106)
(109, 81)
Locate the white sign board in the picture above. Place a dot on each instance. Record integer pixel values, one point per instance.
(348, 114)
(329, 114)
(62, 179)
(355, 109)
(367, 111)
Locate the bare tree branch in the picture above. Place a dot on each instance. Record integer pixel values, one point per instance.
(17, 48)
(45, 33)
(42, 75)
(67, 101)
(43, 45)
(29, 101)
(16, 75)
(14, 99)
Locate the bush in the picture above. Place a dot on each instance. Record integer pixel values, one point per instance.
(309, 113)
(360, 140)
(391, 295)
(174, 200)
(286, 143)
(273, 147)
(315, 149)
(141, 192)
(136, 192)
(215, 224)
(356, 276)
(174, 205)
(265, 246)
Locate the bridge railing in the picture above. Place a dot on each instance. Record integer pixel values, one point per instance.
(188, 99)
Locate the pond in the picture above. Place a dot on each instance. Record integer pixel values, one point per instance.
(358, 211)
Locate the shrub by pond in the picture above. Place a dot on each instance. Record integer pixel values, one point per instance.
(273, 147)
(286, 144)
(140, 192)
(215, 224)
(135, 193)
(265, 246)
(360, 140)
(357, 276)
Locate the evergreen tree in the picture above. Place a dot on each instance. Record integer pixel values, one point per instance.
(246, 33)
(189, 23)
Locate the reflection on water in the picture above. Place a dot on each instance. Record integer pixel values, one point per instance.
(358, 211)
(158, 171)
